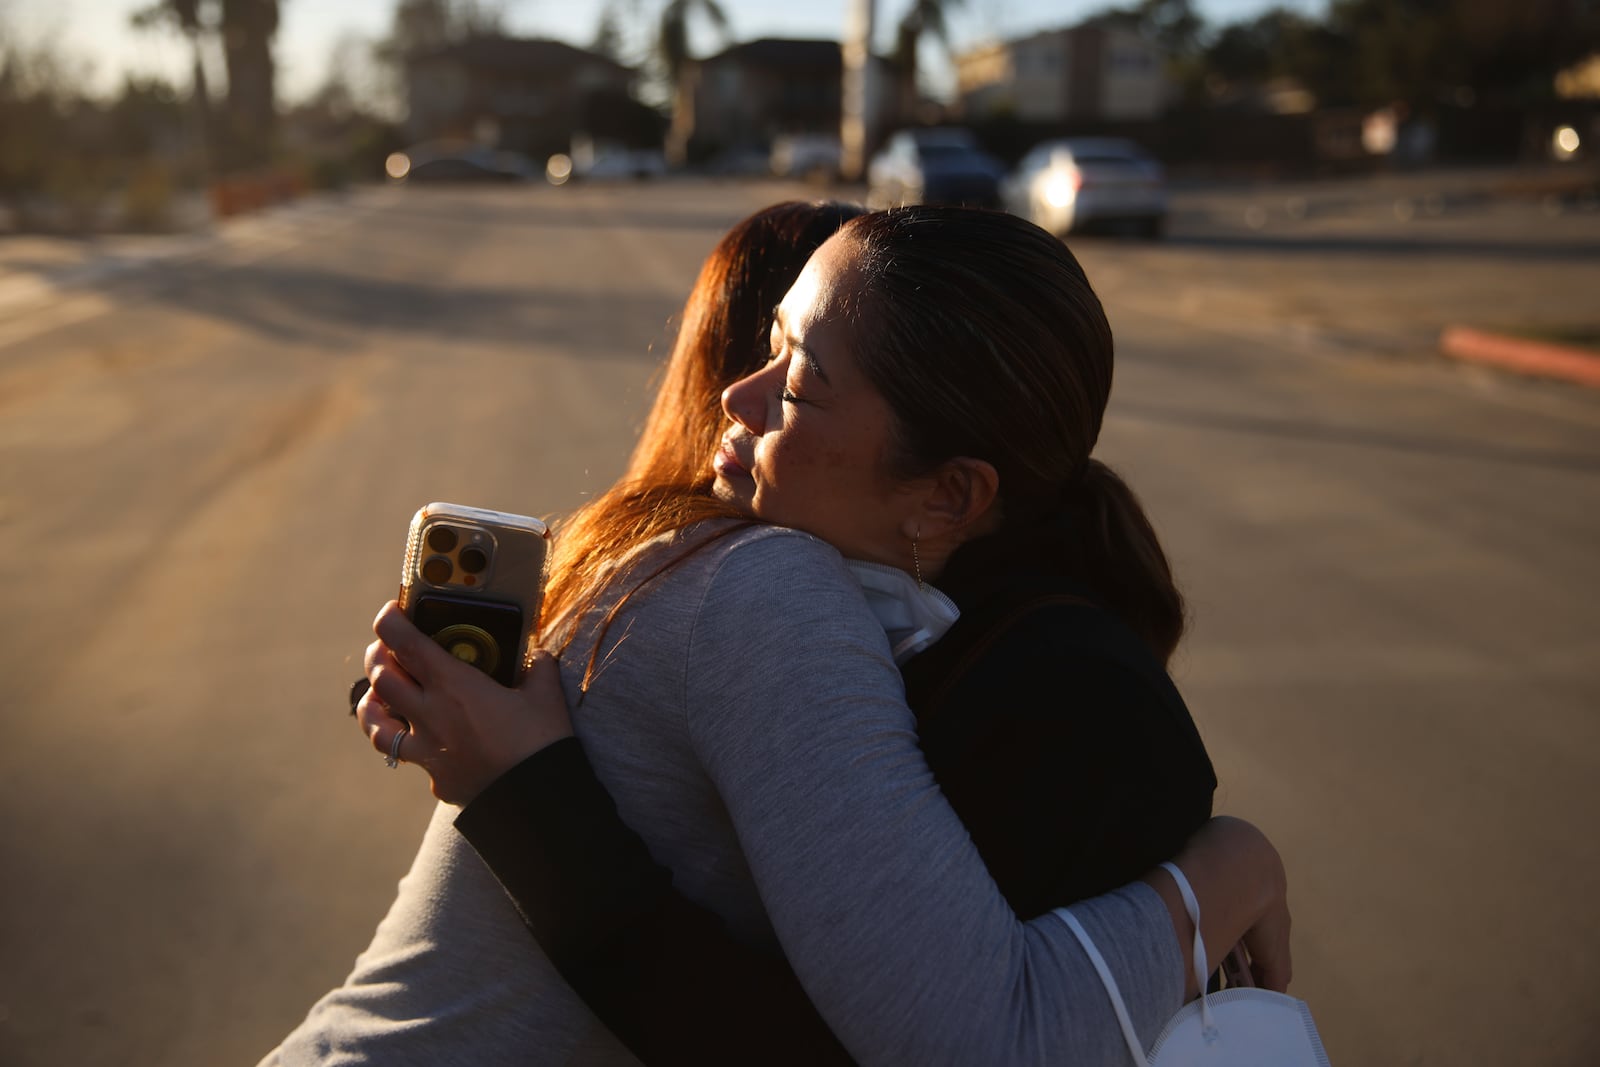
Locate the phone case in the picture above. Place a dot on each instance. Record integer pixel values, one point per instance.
(473, 580)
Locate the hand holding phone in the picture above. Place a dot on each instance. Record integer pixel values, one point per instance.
(452, 720)
(473, 581)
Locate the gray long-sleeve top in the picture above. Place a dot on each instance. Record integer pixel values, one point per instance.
(749, 721)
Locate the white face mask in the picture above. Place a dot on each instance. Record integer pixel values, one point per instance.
(914, 616)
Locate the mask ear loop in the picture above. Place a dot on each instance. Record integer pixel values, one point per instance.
(1202, 972)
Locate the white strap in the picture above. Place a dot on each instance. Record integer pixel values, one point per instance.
(1109, 982)
(1202, 973)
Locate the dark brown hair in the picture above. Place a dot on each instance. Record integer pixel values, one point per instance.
(983, 334)
(722, 336)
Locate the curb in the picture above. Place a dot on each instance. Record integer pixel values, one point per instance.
(1537, 358)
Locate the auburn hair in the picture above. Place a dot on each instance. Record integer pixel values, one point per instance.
(722, 336)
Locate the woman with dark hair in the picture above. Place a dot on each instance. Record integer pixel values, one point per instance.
(950, 371)
(749, 722)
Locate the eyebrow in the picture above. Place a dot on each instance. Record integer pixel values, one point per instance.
(794, 343)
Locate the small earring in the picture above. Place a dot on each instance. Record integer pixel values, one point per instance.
(916, 562)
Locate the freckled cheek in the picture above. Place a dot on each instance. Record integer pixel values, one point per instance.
(789, 456)
(837, 457)
(786, 470)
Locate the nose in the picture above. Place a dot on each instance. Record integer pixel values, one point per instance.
(745, 401)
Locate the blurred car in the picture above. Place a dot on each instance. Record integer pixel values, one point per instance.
(604, 160)
(1077, 183)
(806, 155)
(612, 162)
(457, 162)
(937, 165)
(744, 161)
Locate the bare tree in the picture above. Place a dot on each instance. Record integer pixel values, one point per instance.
(608, 34)
(420, 25)
(424, 25)
(924, 17)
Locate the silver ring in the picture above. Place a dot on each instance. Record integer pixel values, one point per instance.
(392, 760)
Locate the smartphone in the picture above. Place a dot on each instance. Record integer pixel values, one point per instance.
(473, 581)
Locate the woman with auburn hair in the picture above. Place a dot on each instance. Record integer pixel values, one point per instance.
(450, 924)
(738, 698)
(721, 332)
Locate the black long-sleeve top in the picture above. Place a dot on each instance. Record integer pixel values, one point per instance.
(1055, 733)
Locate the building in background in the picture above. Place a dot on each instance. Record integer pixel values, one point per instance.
(521, 95)
(748, 96)
(1092, 72)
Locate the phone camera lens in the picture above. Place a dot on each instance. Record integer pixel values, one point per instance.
(473, 560)
(437, 569)
(441, 538)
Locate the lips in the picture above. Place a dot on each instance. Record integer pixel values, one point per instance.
(727, 462)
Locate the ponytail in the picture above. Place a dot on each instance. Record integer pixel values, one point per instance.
(1095, 535)
(982, 333)
(1117, 556)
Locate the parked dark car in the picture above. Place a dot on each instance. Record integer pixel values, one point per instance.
(452, 162)
(938, 165)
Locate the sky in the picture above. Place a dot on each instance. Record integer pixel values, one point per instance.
(97, 36)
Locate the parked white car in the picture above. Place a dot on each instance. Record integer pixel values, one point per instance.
(1077, 182)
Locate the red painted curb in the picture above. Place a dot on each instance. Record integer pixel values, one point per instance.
(1537, 358)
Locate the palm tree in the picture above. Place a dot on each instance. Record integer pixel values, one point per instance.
(248, 27)
(672, 55)
(925, 16)
(672, 39)
(185, 15)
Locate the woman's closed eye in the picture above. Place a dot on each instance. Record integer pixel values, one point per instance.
(796, 385)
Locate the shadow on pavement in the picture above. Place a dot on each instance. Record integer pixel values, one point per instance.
(1300, 430)
(548, 212)
(302, 305)
(1585, 252)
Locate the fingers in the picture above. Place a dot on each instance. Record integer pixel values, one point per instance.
(1271, 977)
(395, 687)
(420, 655)
(462, 727)
(382, 728)
(377, 652)
(370, 660)
(542, 679)
(544, 698)
(1271, 961)
(1272, 972)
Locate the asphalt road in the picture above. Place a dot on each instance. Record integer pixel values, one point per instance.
(208, 458)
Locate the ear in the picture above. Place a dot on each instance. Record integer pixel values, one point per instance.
(959, 500)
